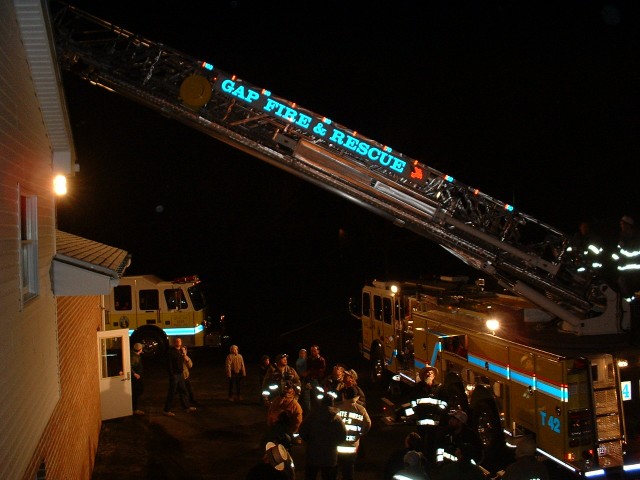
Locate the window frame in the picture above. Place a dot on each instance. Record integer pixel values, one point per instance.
(29, 279)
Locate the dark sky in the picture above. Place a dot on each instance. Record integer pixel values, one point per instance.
(536, 105)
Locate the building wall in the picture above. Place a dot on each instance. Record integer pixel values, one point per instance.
(38, 370)
(69, 444)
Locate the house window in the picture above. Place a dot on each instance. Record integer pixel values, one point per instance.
(29, 246)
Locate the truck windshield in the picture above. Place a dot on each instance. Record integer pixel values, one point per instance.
(198, 299)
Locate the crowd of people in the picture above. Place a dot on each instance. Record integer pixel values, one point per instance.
(325, 411)
(309, 405)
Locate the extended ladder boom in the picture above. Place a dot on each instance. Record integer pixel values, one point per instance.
(525, 255)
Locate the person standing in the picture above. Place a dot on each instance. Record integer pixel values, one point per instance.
(137, 385)
(236, 371)
(335, 381)
(429, 409)
(350, 380)
(301, 367)
(463, 467)
(358, 423)
(395, 462)
(175, 366)
(276, 464)
(526, 465)
(413, 468)
(322, 431)
(264, 367)
(279, 376)
(188, 365)
(626, 258)
(316, 371)
(454, 434)
(288, 404)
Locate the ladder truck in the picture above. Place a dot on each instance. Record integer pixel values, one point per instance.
(528, 258)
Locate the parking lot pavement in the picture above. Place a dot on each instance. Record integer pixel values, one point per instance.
(221, 440)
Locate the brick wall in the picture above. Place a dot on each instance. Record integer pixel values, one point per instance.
(70, 441)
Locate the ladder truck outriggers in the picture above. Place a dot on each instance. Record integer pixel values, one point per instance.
(528, 258)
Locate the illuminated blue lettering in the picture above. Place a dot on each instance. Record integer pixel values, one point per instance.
(303, 120)
(227, 86)
(320, 130)
(385, 159)
(363, 148)
(249, 96)
(398, 165)
(351, 143)
(337, 137)
(289, 114)
(272, 105)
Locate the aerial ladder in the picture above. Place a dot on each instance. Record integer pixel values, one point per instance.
(524, 255)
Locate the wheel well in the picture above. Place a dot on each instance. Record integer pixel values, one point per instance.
(155, 341)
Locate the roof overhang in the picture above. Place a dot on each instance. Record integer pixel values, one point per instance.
(84, 267)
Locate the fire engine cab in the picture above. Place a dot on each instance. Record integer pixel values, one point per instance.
(154, 310)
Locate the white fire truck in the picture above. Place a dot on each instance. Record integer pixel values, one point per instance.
(154, 310)
(572, 402)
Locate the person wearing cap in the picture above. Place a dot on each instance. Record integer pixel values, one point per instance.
(335, 381)
(279, 376)
(358, 423)
(137, 385)
(626, 258)
(276, 464)
(236, 372)
(350, 380)
(454, 434)
(463, 467)
(526, 466)
(286, 403)
(414, 467)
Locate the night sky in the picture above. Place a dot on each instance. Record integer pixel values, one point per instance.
(536, 105)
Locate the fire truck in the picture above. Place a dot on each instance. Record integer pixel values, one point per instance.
(500, 358)
(154, 310)
(572, 402)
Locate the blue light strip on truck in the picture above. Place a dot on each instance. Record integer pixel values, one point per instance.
(179, 331)
(559, 392)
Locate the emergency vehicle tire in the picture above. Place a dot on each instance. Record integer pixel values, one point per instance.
(487, 423)
(154, 341)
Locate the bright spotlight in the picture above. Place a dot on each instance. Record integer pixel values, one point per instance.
(60, 185)
(493, 325)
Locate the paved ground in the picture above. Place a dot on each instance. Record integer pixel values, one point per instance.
(221, 440)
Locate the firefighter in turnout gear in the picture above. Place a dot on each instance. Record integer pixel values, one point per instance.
(626, 258)
(430, 409)
(358, 423)
(276, 379)
(454, 434)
